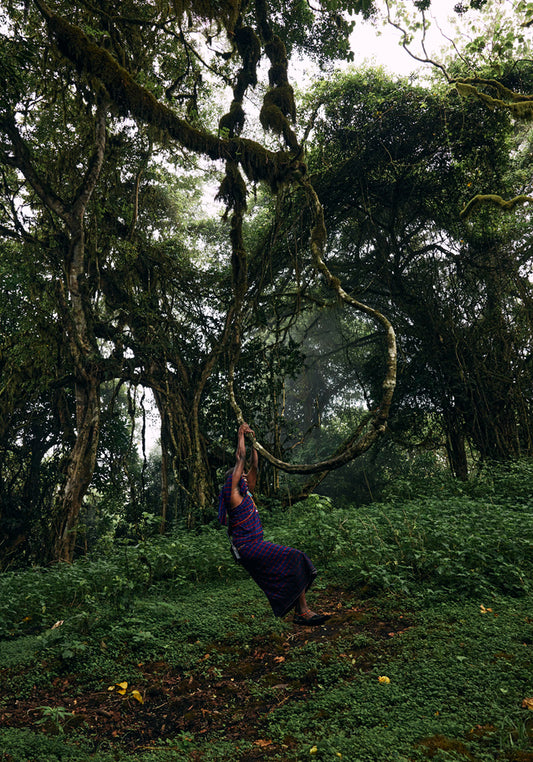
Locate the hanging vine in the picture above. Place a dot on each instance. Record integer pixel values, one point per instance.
(278, 107)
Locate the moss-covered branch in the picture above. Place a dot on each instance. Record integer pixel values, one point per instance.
(491, 198)
(520, 106)
(131, 99)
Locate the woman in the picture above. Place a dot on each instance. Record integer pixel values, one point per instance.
(283, 574)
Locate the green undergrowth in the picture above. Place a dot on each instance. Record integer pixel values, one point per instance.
(424, 547)
(432, 592)
(451, 539)
(456, 689)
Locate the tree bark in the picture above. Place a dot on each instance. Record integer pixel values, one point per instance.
(80, 468)
(456, 451)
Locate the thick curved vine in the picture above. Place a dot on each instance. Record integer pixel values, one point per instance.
(375, 423)
(278, 107)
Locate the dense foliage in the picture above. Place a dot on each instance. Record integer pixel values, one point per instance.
(395, 165)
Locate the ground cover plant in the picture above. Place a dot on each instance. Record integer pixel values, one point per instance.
(166, 651)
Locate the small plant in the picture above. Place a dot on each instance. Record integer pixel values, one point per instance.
(53, 718)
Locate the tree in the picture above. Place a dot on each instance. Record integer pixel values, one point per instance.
(394, 165)
(76, 78)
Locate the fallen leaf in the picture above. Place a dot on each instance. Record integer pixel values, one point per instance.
(122, 688)
(313, 750)
(137, 695)
(384, 679)
(527, 703)
(262, 743)
(483, 610)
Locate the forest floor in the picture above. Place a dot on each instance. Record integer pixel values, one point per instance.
(211, 700)
(166, 651)
(252, 694)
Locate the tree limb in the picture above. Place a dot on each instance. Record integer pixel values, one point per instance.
(258, 163)
(491, 198)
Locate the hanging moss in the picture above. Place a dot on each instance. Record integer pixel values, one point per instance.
(278, 104)
(276, 51)
(257, 162)
(273, 119)
(233, 121)
(283, 98)
(225, 11)
(277, 75)
(232, 190)
(248, 45)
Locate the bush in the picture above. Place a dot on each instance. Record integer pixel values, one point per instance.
(451, 543)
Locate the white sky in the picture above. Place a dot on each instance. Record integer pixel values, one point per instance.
(378, 43)
(381, 44)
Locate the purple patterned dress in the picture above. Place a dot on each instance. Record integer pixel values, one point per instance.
(282, 573)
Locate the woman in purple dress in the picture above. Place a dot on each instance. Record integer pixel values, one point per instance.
(284, 574)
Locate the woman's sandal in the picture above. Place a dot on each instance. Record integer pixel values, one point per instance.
(310, 621)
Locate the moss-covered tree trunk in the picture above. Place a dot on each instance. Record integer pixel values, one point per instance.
(80, 468)
(177, 400)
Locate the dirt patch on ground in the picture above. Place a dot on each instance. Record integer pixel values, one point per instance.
(211, 700)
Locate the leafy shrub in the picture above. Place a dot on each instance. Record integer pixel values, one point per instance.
(38, 597)
(449, 544)
(509, 482)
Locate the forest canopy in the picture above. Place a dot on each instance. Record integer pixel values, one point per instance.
(347, 268)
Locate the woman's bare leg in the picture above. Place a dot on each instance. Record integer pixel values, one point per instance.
(302, 607)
